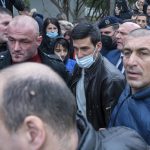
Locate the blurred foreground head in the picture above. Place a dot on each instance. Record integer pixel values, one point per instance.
(37, 110)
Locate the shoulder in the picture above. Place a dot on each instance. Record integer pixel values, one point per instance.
(127, 137)
(111, 70)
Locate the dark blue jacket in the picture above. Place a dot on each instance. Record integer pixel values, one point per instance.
(133, 111)
(113, 56)
(70, 64)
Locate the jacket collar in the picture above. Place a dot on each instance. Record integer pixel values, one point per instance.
(139, 95)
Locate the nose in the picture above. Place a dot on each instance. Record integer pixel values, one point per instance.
(102, 33)
(16, 46)
(79, 53)
(118, 35)
(53, 30)
(62, 54)
(132, 60)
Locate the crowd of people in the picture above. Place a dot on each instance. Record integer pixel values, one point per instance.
(66, 86)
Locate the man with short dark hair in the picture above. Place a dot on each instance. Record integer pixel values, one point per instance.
(5, 18)
(132, 109)
(95, 79)
(38, 111)
(141, 20)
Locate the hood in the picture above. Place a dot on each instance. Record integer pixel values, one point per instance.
(37, 15)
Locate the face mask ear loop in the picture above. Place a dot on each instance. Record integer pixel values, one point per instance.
(94, 57)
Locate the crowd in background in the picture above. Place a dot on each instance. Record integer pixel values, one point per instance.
(104, 66)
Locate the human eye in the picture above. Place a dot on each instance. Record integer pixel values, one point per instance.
(76, 49)
(107, 33)
(84, 49)
(65, 50)
(49, 28)
(11, 39)
(57, 50)
(5, 23)
(25, 41)
(144, 53)
(138, 20)
(126, 53)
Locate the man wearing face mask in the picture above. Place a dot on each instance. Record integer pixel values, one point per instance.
(95, 79)
(108, 27)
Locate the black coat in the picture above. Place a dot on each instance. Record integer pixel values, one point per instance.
(117, 138)
(103, 86)
(50, 60)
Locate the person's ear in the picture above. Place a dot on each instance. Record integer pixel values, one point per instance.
(99, 46)
(39, 40)
(36, 132)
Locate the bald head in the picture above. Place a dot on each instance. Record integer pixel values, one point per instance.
(139, 32)
(24, 22)
(23, 38)
(129, 26)
(123, 31)
(37, 91)
(30, 70)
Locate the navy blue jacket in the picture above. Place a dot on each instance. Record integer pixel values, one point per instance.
(113, 56)
(133, 111)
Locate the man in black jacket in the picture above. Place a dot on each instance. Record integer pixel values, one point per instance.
(23, 42)
(96, 83)
(38, 111)
(5, 18)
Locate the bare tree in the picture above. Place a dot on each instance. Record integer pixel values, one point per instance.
(112, 6)
(97, 8)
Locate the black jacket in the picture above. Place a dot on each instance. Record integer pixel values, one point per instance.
(19, 5)
(3, 47)
(117, 138)
(39, 18)
(50, 60)
(103, 86)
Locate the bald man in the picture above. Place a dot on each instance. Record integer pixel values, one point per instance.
(23, 42)
(116, 56)
(38, 112)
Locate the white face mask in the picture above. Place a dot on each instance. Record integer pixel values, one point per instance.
(85, 62)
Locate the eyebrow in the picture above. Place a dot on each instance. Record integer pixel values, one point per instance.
(139, 49)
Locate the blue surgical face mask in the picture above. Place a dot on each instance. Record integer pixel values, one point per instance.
(85, 62)
(52, 34)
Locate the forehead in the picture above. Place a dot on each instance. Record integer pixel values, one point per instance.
(125, 28)
(5, 17)
(137, 42)
(141, 1)
(59, 46)
(51, 25)
(82, 42)
(19, 31)
(141, 17)
(110, 28)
